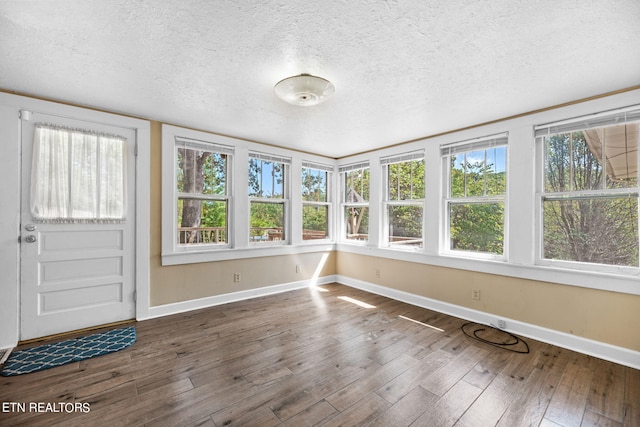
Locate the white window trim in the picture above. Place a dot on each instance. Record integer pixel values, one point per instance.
(606, 118)
(171, 141)
(238, 222)
(481, 143)
(522, 214)
(329, 203)
(385, 162)
(285, 201)
(343, 169)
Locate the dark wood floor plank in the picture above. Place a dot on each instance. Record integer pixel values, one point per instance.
(632, 398)
(489, 407)
(361, 413)
(568, 403)
(529, 405)
(395, 389)
(449, 408)
(440, 381)
(606, 396)
(352, 393)
(306, 395)
(313, 415)
(591, 419)
(406, 410)
(307, 357)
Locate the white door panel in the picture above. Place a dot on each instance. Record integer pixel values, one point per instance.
(75, 275)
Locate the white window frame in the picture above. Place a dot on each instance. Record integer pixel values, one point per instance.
(463, 147)
(171, 144)
(285, 201)
(344, 204)
(328, 204)
(386, 202)
(597, 120)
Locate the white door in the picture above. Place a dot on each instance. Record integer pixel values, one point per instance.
(75, 273)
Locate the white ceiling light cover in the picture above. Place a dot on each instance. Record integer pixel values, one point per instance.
(304, 90)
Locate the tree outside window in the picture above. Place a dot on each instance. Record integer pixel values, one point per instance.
(475, 204)
(355, 202)
(404, 202)
(590, 195)
(202, 202)
(315, 203)
(267, 200)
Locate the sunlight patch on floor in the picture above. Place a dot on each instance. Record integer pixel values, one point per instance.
(357, 302)
(420, 323)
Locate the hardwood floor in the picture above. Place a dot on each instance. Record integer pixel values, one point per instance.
(308, 357)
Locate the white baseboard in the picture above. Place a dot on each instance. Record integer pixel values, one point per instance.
(598, 349)
(196, 304)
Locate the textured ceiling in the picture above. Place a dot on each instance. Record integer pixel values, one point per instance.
(402, 69)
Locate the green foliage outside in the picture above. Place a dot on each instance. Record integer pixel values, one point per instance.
(201, 173)
(477, 226)
(594, 229)
(314, 192)
(406, 184)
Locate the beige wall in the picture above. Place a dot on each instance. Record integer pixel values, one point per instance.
(608, 317)
(192, 281)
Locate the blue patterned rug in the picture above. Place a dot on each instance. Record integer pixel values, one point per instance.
(73, 350)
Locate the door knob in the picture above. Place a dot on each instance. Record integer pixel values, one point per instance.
(30, 238)
(30, 227)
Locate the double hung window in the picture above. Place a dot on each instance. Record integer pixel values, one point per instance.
(404, 200)
(355, 201)
(588, 194)
(202, 190)
(316, 202)
(268, 198)
(475, 187)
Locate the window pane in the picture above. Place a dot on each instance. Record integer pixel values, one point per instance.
(477, 227)
(479, 173)
(405, 225)
(603, 230)
(406, 180)
(356, 186)
(314, 222)
(314, 185)
(202, 222)
(574, 161)
(266, 222)
(475, 173)
(585, 165)
(266, 179)
(357, 222)
(496, 172)
(621, 151)
(557, 163)
(201, 172)
(457, 176)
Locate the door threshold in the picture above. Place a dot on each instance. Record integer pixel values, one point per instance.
(4, 354)
(82, 331)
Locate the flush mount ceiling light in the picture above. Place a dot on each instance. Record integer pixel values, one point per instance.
(304, 90)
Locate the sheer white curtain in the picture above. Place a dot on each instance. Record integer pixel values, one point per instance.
(77, 176)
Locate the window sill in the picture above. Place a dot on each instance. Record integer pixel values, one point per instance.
(605, 281)
(193, 257)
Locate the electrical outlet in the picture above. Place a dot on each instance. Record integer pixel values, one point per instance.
(475, 294)
(298, 268)
(377, 272)
(236, 277)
